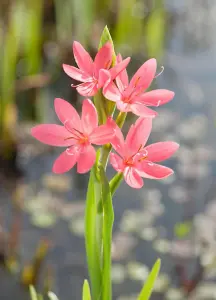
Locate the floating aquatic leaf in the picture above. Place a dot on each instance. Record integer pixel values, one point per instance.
(77, 226)
(58, 183)
(174, 294)
(137, 271)
(162, 246)
(123, 243)
(118, 273)
(162, 282)
(132, 221)
(182, 229)
(148, 233)
(43, 220)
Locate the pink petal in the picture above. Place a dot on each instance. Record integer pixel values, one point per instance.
(122, 78)
(155, 97)
(102, 134)
(65, 162)
(83, 59)
(118, 68)
(117, 162)
(118, 141)
(87, 89)
(75, 73)
(111, 92)
(143, 111)
(89, 116)
(154, 171)
(103, 78)
(138, 135)
(86, 159)
(67, 113)
(103, 58)
(132, 178)
(161, 151)
(144, 76)
(52, 134)
(123, 106)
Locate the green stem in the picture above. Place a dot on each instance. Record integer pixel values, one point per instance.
(99, 102)
(115, 182)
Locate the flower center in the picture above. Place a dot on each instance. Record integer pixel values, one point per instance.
(77, 135)
(138, 156)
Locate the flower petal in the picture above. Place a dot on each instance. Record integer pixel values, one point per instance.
(154, 171)
(103, 134)
(118, 141)
(66, 112)
(52, 134)
(132, 178)
(123, 106)
(89, 116)
(118, 68)
(117, 162)
(155, 97)
(111, 92)
(143, 111)
(138, 135)
(122, 78)
(83, 59)
(75, 73)
(87, 89)
(161, 151)
(86, 159)
(65, 162)
(103, 78)
(103, 58)
(144, 76)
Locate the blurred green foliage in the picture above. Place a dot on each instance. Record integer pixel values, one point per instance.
(36, 38)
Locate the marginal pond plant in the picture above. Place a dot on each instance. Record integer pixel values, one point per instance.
(100, 125)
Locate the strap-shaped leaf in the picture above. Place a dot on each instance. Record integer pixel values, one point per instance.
(86, 291)
(33, 293)
(149, 284)
(52, 296)
(108, 215)
(93, 233)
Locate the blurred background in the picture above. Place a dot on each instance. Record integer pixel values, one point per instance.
(41, 214)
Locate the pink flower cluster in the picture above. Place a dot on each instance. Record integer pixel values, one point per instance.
(77, 134)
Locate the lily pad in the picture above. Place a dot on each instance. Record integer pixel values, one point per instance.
(137, 271)
(162, 283)
(148, 233)
(118, 273)
(43, 220)
(77, 226)
(162, 246)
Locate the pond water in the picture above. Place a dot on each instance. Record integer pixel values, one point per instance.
(145, 221)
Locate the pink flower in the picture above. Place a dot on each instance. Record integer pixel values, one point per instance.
(131, 96)
(93, 74)
(135, 160)
(78, 134)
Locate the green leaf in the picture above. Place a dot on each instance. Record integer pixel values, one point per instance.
(182, 229)
(52, 296)
(93, 233)
(149, 284)
(129, 26)
(86, 291)
(33, 293)
(108, 215)
(155, 32)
